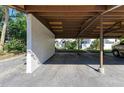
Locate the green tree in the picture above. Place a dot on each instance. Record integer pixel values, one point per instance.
(4, 28)
(95, 45)
(71, 45)
(16, 33)
(1, 13)
(17, 26)
(121, 39)
(12, 29)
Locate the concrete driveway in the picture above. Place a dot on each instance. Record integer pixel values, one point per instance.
(65, 70)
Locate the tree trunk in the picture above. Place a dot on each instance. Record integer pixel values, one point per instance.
(3, 33)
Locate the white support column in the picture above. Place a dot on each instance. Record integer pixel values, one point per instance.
(29, 45)
(101, 68)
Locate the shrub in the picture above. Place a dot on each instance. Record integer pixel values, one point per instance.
(15, 45)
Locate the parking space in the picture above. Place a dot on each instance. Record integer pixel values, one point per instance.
(63, 69)
(84, 58)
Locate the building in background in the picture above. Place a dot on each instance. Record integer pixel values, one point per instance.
(86, 43)
(107, 43)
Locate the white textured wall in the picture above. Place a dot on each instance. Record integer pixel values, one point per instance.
(41, 43)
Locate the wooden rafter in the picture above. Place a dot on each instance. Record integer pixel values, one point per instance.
(64, 8)
(67, 21)
(91, 23)
(118, 26)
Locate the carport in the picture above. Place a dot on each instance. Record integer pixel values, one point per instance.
(45, 23)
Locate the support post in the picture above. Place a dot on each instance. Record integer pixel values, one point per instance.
(101, 68)
(78, 46)
(29, 45)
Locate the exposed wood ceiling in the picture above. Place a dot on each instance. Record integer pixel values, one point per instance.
(69, 21)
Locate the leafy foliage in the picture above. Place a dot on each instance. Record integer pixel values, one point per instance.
(16, 30)
(15, 45)
(95, 45)
(17, 27)
(1, 13)
(121, 39)
(71, 45)
(1, 18)
(16, 33)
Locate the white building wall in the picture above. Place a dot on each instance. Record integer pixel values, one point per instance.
(109, 42)
(40, 43)
(86, 43)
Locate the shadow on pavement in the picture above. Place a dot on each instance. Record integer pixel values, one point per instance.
(84, 59)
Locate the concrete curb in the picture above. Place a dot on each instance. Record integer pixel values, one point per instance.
(12, 58)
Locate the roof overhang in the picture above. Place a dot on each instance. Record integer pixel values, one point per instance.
(72, 21)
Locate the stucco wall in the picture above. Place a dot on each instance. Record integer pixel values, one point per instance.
(41, 43)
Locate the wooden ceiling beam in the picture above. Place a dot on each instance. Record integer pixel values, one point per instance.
(69, 8)
(88, 37)
(67, 18)
(18, 7)
(113, 27)
(64, 30)
(80, 21)
(72, 17)
(78, 14)
(119, 9)
(91, 23)
(64, 8)
(86, 17)
(114, 14)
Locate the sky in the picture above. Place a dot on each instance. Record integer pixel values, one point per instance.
(12, 11)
